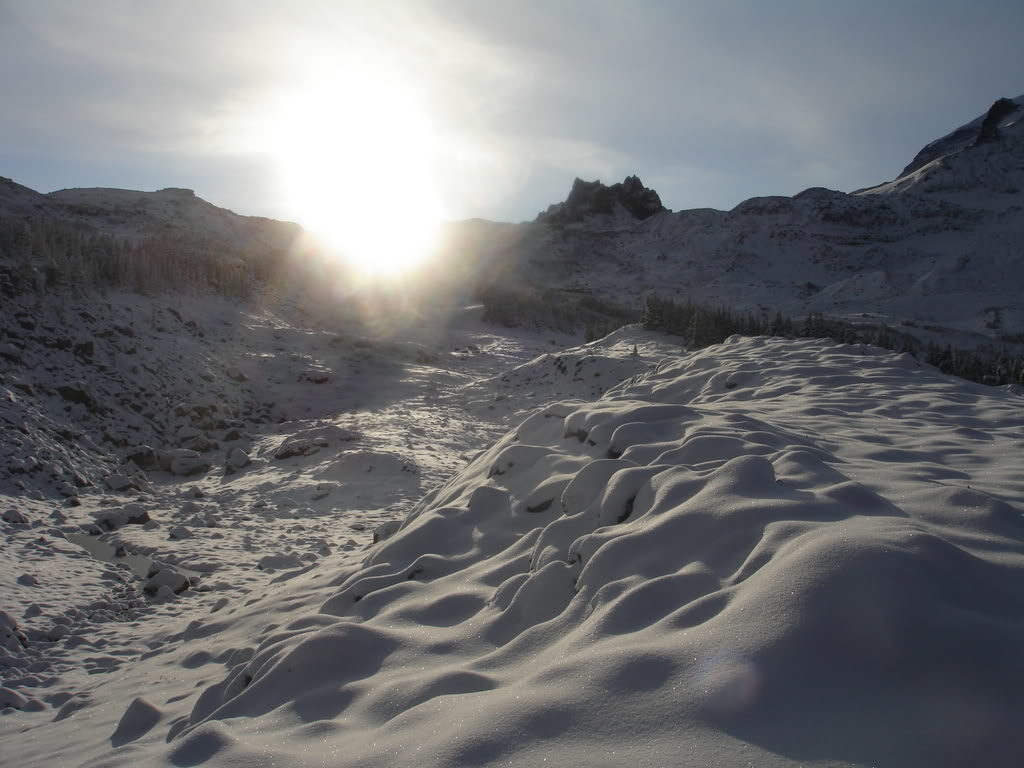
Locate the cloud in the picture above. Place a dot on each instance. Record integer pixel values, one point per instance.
(725, 100)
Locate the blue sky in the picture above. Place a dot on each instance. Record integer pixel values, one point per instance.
(708, 102)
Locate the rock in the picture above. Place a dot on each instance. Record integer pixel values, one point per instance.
(272, 563)
(237, 459)
(33, 610)
(11, 698)
(313, 376)
(166, 577)
(135, 515)
(117, 482)
(179, 532)
(182, 461)
(163, 593)
(68, 490)
(589, 198)
(15, 517)
(131, 514)
(58, 632)
(299, 446)
(28, 580)
(144, 457)
(187, 433)
(188, 465)
(25, 465)
(11, 638)
(235, 374)
(77, 393)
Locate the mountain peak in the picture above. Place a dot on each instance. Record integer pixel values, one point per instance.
(628, 198)
(982, 130)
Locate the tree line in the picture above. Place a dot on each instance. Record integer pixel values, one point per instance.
(40, 255)
(701, 325)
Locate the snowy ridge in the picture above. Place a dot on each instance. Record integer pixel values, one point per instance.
(843, 586)
(961, 138)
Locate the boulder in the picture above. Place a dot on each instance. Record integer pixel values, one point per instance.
(165, 577)
(144, 457)
(188, 465)
(118, 482)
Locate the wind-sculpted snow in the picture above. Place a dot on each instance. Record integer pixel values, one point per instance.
(765, 553)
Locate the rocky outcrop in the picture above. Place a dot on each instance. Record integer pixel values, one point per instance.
(989, 131)
(592, 198)
(981, 130)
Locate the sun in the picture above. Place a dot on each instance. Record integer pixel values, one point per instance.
(356, 157)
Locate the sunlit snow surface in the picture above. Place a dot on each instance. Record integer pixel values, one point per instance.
(764, 553)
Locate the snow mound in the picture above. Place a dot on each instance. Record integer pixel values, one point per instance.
(585, 372)
(768, 552)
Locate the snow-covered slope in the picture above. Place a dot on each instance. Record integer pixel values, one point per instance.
(1003, 115)
(768, 552)
(938, 246)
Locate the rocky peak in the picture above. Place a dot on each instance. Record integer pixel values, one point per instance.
(592, 198)
(981, 130)
(989, 131)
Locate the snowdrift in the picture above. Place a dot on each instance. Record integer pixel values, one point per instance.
(765, 553)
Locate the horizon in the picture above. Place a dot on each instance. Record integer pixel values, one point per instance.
(489, 112)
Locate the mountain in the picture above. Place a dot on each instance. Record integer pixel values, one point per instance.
(938, 246)
(133, 215)
(130, 214)
(18, 200)
(1002, 117)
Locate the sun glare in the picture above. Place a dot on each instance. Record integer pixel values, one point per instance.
(356, 157)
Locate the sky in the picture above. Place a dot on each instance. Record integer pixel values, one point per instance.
(464, 108)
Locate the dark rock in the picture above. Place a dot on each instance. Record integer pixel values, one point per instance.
(85, 349)
(989, 132)
(589, 198)
(79, 395)
(144, 457)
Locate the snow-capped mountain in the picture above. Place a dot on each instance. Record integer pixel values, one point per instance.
(939, 245)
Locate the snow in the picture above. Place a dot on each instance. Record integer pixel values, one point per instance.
(244, 533)
(768, 552)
